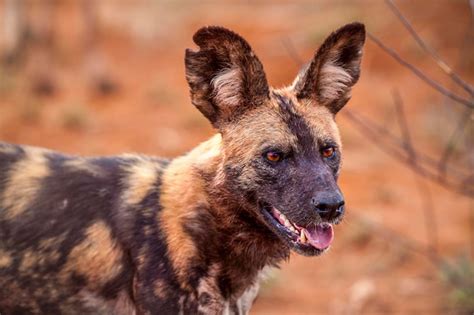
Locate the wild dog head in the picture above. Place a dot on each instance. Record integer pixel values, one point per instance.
(281, 147)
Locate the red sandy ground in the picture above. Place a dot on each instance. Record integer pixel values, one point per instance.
(143, 46)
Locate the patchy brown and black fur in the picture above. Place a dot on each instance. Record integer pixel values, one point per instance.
(142, 235)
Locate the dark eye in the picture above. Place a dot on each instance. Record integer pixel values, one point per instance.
(274, 156)
(328, 152)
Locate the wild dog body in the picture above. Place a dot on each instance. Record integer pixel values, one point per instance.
(89, 236)
(141, 235)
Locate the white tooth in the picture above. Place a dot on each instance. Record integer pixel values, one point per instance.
(302, 237)
(292, 229)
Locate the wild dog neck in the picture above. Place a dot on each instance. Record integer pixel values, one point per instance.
(206, 226)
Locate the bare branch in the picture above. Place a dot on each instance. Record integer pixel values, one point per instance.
(438, 87)
(425, 192)
(402, 121)
(429, 50)
(443, 161)
(393, 140)
(373, 132)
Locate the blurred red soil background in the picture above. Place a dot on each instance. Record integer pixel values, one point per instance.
(111, 80)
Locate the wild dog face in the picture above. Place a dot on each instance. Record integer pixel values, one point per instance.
(281, 147)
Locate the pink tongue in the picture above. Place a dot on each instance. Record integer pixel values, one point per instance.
(320, 236)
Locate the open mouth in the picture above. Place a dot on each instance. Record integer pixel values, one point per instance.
(309, 240)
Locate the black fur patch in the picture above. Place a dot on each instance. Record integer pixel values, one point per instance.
(297, 125)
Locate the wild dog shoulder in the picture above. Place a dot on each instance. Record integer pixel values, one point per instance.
(23, 169)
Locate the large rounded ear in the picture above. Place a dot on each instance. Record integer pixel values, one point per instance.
(334, 69)
(224, 75)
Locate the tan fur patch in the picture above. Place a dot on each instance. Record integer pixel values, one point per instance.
(142, 175)
(160, 288)
(227, 87)
(7, 149)
(98, 257)
(245, 302)
(47, 253)
(321, 121)
(182, 189)
(334, 81)
(121, 305)
(208, 286)
(318, 117)
(5, 259)
(29, 260)
(24, 182)
(260, 128)
(83, 165)
(143, 254)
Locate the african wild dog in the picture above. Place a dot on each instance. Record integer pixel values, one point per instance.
(142, 235)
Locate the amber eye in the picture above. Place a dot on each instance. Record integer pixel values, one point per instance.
(273, 156)
(328, 152)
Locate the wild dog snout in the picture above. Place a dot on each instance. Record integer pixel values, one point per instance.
(329, 206)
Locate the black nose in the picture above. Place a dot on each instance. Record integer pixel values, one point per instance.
(329, 206)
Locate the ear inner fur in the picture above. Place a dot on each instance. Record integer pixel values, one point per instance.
(334, 69)
(224, 75)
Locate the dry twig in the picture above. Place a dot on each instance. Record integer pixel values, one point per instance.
(435, 85)
(429, 50)
(377, 135)
(424, 190)
(449, 148)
